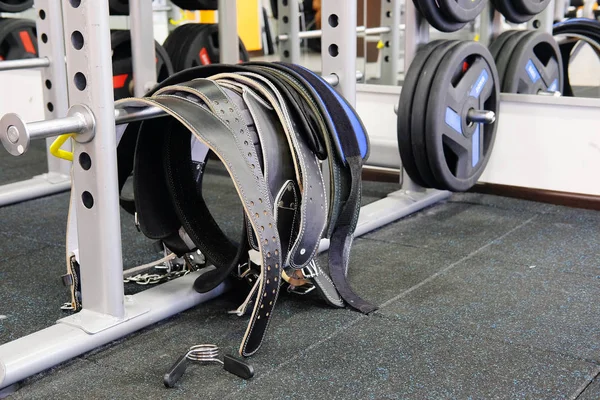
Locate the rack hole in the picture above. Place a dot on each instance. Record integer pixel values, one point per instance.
(48, 83)
(85, 161)
(537, 24)
(334, 20)
(387, 58)
(80, 81)
(333, 50)
(50, 106)
(387, 43)
(44, 38)
(75, 3)
(285, 3)
(286, 53)
(77, 40)
(285, 19)
(42, 14)
(87, 199)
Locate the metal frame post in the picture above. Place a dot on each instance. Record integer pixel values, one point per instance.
(228, 32)
(390, 53)
(142, 46)
(288, 24)
(338, 45)
(55, 105)
(89, 68)
(544, 20)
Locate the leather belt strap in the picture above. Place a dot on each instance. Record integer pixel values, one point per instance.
(247, 177)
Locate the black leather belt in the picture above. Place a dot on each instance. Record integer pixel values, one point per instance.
(270, 124)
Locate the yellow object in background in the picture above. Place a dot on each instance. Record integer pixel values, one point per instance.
(208, 16)
(248, 19)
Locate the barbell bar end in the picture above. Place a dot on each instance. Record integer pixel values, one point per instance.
(481, 116)
(14, 135)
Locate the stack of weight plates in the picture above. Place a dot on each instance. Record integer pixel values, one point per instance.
(528, 62)
(519, 11)
(193, 45)
(17, 39)
(571, 33)
(122, 63)
(440, 143)
(449, 15)
(15, 6)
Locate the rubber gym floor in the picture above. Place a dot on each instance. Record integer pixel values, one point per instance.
(479, 297)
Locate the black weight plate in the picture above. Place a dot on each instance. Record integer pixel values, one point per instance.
(535, 64)
(457, 149)
(531, 7)
(508, 10)
(118, 7)
(498, 43)
(122, 63)
(17, 39)
(506, 52)
(419, 108)
(462, 10)
(176, 44)
(405, 110)
(15, 6)
(565, 52)
(436, 17)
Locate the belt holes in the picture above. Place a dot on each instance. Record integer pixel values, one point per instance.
(268, 267)
(273, 293)
(262, 306)
(216, 103)
(262, 228)
(267, 242)
(270, 303)
(252, 203)
(265, 295)
(246, 142)
(265, 211)
(237, 120)
(230, 109)
(258, 317)
(302, 251)
(222, 111)
(257, 215)
(270, 225)
(241, 131)
(273, 238)
(275, 279)
(253, 166)
(277, 253)
(267, 314)
(276, 264)
(311, 199)
(268, 281)
(260, 201)
(269, 253)
(249, 154)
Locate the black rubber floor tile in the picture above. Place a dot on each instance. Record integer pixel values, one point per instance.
(84, 379)
(557, 240)
(592, 391)
(13, 246)
(30, 164)
(500, 202)
(453, 227)
(539, 307)
(380, 270)
(31, 292)
(386, 359)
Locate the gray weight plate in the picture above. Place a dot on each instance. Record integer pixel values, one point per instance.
(462, 10)
(535, 65)
(432, 13)
(531, 7)
(496, 46)
(405, 110)
(458, 149)
(506, 52)
(508, 10)
(418, 118)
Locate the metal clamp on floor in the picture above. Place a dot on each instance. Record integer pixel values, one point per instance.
(16, 134)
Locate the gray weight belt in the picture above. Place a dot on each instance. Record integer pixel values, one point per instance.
(237, 152)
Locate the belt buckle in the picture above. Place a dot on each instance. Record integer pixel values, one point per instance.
(310, 271)
(301, 290)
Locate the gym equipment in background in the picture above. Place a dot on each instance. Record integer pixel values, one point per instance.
(575, 31)
(197, 4)
(192, 45)
(528, 62)
(447, 114)
(15, 6)
(123, 64)
(18, 39)
(519, 11)
(449, 15)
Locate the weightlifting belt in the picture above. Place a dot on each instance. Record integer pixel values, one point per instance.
(237, 152)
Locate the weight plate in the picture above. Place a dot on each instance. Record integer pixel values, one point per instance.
(508, 10)
(506, 52)
(418, 118)
(405, 110)
(498, 43)
(531, 7)
(458, 150)
(15, 6)
(17, 39)
(122, 64)
(462, 10)
(436, 17)
(535, 65)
